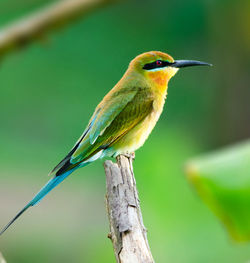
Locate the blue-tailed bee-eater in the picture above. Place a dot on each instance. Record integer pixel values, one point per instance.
(123, 120)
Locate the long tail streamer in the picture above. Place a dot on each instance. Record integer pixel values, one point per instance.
(52, 183)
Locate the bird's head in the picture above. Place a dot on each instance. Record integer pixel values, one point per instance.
(160, 67)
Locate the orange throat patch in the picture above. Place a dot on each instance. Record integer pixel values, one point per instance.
(160, 79)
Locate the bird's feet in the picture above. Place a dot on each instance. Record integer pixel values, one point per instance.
(130, 155)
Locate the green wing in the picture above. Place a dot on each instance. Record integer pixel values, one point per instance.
(108, 112)
(116, 115)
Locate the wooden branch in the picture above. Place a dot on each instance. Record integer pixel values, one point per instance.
(37, 24)
(2, 260)
(127, 231)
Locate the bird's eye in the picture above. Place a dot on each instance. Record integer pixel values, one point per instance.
(158, 62)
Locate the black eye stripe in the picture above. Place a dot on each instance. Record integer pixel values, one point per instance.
(156, 64)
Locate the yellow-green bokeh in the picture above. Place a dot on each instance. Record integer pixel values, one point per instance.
(48, 92)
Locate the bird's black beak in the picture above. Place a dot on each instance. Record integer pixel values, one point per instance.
(188, 63)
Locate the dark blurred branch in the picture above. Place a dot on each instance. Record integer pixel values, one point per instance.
(127, 231)
(2, 260)
(34, 26)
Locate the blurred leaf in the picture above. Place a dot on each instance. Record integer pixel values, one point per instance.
(222, 179)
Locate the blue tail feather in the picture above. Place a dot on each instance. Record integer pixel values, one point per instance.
(51, 184)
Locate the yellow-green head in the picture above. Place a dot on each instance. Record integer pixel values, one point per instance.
(159, 67)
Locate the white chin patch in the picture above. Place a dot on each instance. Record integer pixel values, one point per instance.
(156, 69)
(171, 71)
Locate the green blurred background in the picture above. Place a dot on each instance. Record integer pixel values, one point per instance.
(49, 90)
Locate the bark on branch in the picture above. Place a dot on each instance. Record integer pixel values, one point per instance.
(127, 232)
(30, 28)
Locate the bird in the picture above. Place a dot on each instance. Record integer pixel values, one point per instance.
(123, 120)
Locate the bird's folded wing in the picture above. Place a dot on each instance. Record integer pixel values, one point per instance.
(114, 120)
(104, 114)
(106, 111)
